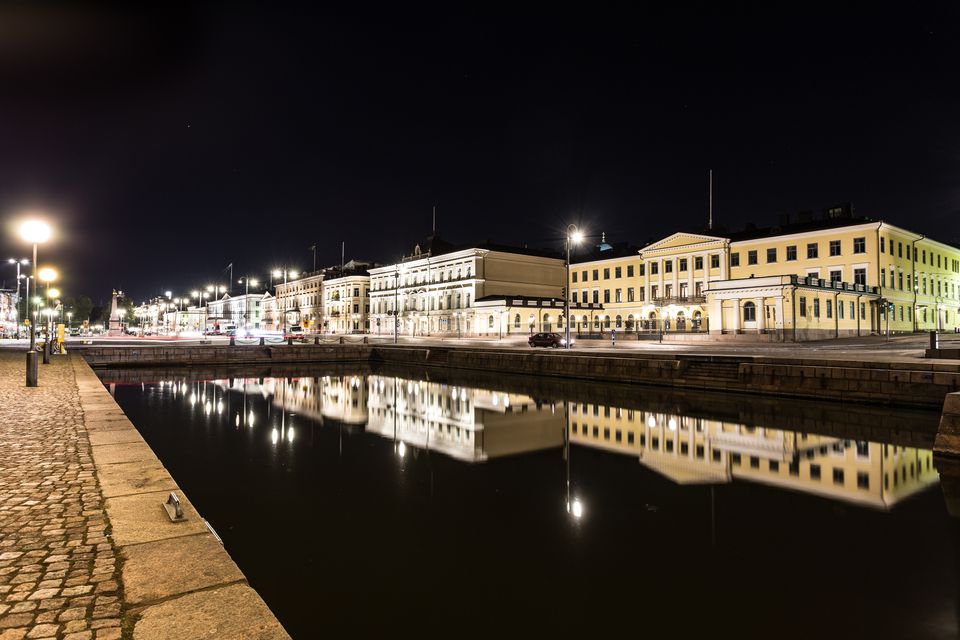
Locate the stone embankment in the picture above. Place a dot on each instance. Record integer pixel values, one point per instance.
(919, 383)
(87, 551)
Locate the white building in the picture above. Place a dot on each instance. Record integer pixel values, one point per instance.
(433, 291)
(346, 304)
(243, 311)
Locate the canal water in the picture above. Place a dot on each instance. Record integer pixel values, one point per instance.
(443, 503)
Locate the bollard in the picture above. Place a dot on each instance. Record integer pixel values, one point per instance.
(233, 341)
(341, 339)
(263, 341)
(934, 340)
(289, 342)
(316, 339)
(31, 368)
(46, 352)
(365, 340)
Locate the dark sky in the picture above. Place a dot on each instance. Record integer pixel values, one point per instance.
(167, 143)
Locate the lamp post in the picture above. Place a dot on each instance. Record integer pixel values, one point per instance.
(574, 236)
(246, 281)
(34, 232)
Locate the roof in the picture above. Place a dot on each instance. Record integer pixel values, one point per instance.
(603, 251)
(434, 246)
(754, 233)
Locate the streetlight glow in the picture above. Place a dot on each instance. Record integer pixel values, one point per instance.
(35, 231)
(53, 293)
(47, 274)
(577, 237)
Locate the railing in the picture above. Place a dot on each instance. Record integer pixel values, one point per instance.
(680, 300)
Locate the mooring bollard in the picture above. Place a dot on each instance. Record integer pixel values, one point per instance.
(341, 339)
(316, 339)
(263, 341)
(233, 341)
(289, 342)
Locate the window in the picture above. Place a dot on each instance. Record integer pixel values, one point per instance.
(900, 249)
(698, 262)
(683, 264)
(752, 257)
(654, 268)
(574, 276)
(838, 476)
(606, 296)
(583, 276)
(883, 278)
(629, 294)
(829, 308)
(668, 266)
(859, 245)
(863, 480)
(715, 261)
(863, 311)
(754, 462)
(596, 296)
(853, 311)
(772, 255)
(653, 292)
(643, 269)
(791, 253)
(839, 309)
(812, 250)
(734, 259)
(629, 271)
(836, 275)
(816, 307)
(774, 465)
(803, 307)
(749, 312)
(616, 295)
(814, 472)
(834, 248)
(573, 297)
(606, 273)
(617, 272)
(860, 276)
(596, 275)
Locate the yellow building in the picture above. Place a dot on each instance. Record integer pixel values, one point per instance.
(346, 304)
(812, 279)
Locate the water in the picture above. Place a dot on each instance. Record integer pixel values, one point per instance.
(438, 503)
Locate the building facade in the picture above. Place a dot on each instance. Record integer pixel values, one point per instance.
(817, 279)
(346, 304)
(434, 291)
(300, 302)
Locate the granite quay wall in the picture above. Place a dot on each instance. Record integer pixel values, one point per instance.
(177, 581)
(922, 383)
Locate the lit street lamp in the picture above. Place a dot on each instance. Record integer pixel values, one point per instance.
(574, 236)
(34, 232)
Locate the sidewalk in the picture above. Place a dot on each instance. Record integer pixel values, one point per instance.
(86, 551)
(58, 568)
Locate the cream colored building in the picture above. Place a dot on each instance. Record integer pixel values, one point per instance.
(346, 304)
(300, 302)
(815, 279)
(434, 291)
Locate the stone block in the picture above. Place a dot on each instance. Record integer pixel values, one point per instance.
(227, 613)
(126, 478)
(127, 452)
(159, 570)
(141, 518)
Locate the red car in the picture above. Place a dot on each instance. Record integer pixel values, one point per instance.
(554, 340)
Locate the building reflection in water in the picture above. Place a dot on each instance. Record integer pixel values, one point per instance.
(474, 425)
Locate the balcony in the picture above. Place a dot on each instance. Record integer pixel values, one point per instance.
(679, 300)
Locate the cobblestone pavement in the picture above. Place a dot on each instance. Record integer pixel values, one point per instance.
(59, 573)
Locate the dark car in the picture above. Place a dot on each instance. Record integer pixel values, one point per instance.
(547, 340)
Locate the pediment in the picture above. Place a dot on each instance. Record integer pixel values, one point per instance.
(682, 239)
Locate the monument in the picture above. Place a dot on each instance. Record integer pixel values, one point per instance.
(115, 327)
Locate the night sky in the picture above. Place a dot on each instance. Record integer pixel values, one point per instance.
(167, 143)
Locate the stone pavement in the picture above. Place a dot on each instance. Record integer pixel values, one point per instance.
(86, 551)
(58, 568)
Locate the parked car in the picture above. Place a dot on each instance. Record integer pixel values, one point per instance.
(547, 340)
(295, 331)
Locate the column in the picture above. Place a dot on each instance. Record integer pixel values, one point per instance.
(761, 314)
(646, 282)
(715, 316)
(723, 264)
(736, 315)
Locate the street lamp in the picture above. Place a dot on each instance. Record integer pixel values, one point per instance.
(246, 282)
(34, 232)
(574, 236)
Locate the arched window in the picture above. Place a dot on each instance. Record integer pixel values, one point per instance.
(749, 312)
(490, 322)
(606, 322)
(619, 322)
(516, 321)
(630, 322)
